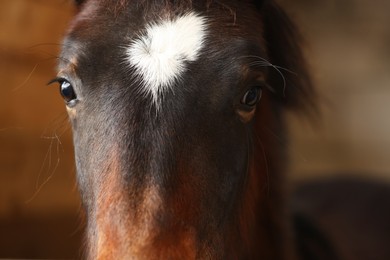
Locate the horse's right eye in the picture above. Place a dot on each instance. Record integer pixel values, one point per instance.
(79, 2)
(67, 91)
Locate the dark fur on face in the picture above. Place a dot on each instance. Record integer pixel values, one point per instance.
(202, 176)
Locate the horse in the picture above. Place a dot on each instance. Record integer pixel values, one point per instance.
(176, 110)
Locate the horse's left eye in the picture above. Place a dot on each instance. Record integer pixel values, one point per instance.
(252, 96)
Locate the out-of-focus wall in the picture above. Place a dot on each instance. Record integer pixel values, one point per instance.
(32, 115)
(348, 48)
(38, 197)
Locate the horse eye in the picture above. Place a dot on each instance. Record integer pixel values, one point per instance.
(79, 2)
(67, 91)
(252, 96)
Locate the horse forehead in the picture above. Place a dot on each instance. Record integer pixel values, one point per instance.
(160, 53)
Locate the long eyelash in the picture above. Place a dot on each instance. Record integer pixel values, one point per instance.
(56, 80)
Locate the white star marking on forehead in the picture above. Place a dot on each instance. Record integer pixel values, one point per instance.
(160, 53)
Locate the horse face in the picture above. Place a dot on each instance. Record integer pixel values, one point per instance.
(163, 101)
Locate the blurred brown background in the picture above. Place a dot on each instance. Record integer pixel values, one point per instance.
(348, 48)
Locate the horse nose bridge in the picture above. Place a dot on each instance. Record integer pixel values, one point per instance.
(112, 205)
(143, 142)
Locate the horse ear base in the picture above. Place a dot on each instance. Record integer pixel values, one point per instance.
(259, 3)
(292, 81)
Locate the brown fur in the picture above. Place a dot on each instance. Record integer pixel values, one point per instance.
(158, 187)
